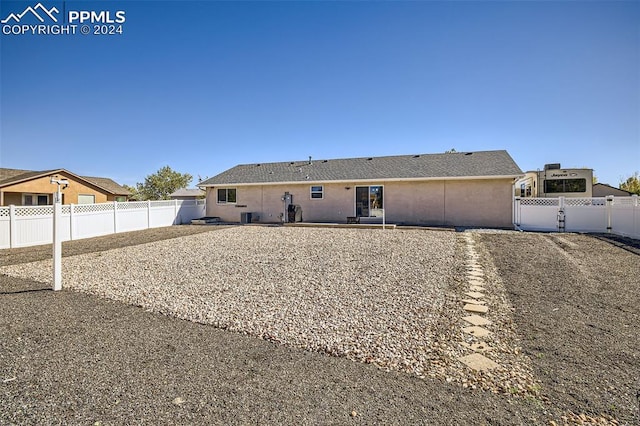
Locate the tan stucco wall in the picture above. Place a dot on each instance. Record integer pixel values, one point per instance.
(451, 203)
(13, 194)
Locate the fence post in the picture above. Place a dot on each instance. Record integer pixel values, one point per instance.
(515, 216)
(175, 212)
(115, 217)
(608, 207)
(71, 220)
(148, 214)
(635, 214)
(13, 234)
(57, 242)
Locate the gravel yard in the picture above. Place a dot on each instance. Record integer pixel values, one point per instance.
(369, 295)
(388, 298)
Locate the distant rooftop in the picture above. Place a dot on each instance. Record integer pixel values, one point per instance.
(187, 192)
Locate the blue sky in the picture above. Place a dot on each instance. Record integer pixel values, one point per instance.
(203, 86)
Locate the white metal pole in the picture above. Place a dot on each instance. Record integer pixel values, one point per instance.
(57, 242)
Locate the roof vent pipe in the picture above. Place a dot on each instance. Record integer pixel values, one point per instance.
(310, 160)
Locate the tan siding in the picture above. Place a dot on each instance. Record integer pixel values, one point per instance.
(479, 203)
(418, 203)
(433, 202)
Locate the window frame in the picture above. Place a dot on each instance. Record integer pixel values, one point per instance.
(35, 199)
(313, 192)
(226, 196)
(552, 186)
(369, 207)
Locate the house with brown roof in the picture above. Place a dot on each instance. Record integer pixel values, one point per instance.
(604, 190)
(29, 187)
(449, 189)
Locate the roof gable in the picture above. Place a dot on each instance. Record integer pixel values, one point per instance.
(422, 166)
(13, 176)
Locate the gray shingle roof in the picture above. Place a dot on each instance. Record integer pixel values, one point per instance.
(108, 184)
(422, 166)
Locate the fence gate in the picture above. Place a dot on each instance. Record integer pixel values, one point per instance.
(619, 215)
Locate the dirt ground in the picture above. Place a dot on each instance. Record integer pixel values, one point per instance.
(72, 358)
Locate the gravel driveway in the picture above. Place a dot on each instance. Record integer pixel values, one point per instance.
(387, 298)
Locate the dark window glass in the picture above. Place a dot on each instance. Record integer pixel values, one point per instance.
(316, 192)
(575, 185)
(222, 195)
(551, 186)
(565, 185)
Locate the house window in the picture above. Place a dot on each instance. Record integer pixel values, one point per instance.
(369, 201)
(86, 199)
(121, 199)
(226, 196)
(525, 190)
(317, 192)
(565, 185)
(35, 199)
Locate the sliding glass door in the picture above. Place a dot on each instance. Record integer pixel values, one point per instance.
(369, 201)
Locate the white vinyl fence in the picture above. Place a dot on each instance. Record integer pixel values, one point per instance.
(617, 215)
(22, 226)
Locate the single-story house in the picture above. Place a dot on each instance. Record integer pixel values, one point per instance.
(28, 187)
(602, 190)
(187, 194)
(450, 189)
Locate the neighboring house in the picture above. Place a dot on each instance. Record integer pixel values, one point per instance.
(27, 187)
(187, 194)
(451, 189)
(602, 190)
(554, 182)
